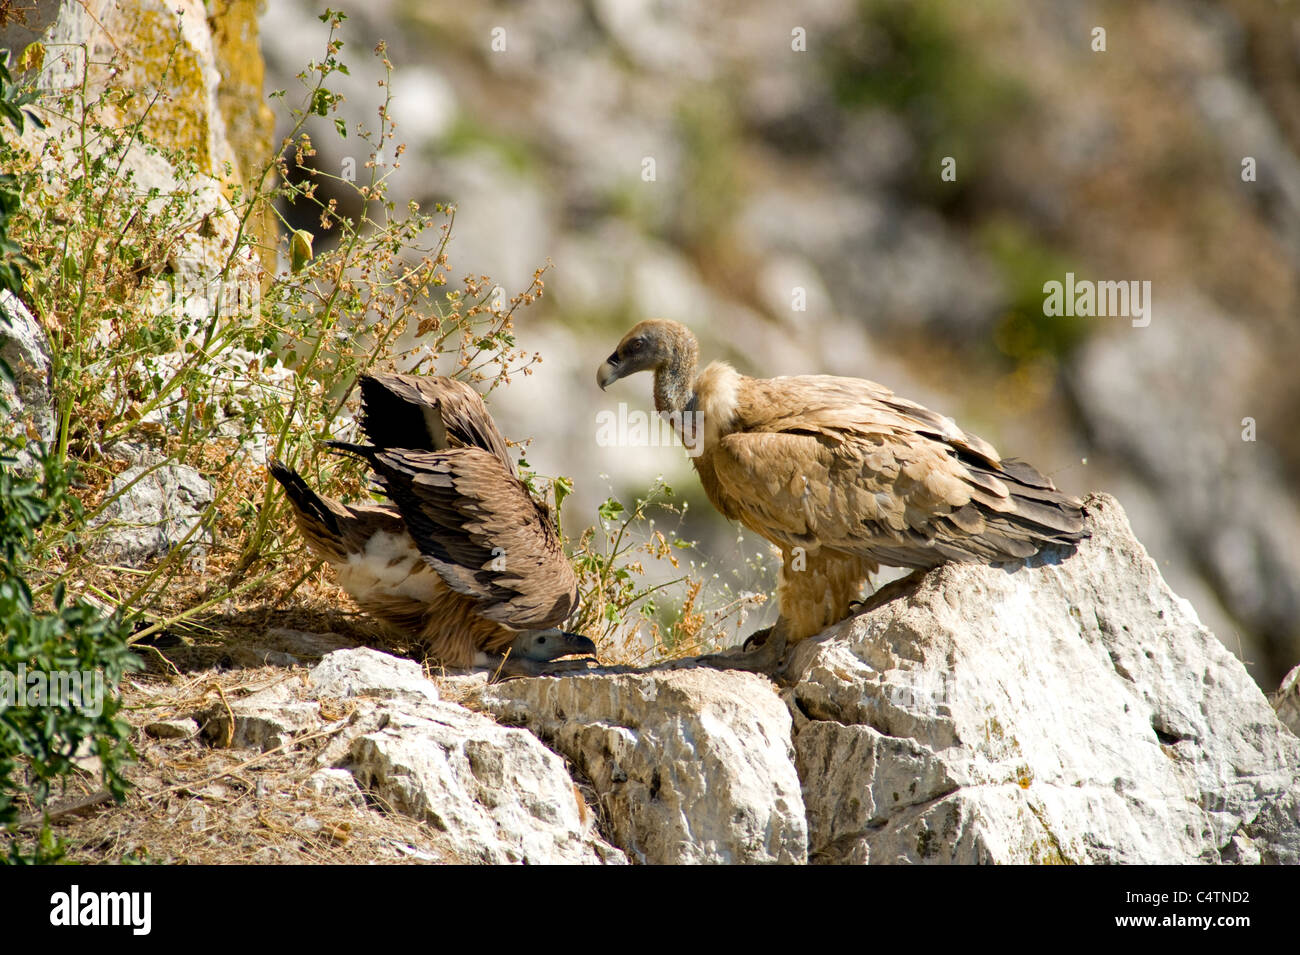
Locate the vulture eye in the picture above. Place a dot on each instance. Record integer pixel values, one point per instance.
(541, 639)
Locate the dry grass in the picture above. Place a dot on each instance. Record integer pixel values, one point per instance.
(196, 804)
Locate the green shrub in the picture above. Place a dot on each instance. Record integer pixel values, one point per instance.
(255, 356)
(41, 737)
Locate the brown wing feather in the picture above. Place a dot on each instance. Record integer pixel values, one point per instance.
(843, 463)
(433, 413)
(479, 528)
(380, 566)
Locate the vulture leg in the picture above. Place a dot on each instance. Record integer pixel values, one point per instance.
(816, 590)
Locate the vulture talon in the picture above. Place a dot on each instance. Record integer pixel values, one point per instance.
(764, 656)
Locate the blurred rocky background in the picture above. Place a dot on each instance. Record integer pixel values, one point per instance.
(797, 160)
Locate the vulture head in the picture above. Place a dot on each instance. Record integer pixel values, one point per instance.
(658, 345)
(543, 646)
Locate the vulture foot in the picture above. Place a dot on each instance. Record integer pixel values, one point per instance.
(890, 591)
(763, 652)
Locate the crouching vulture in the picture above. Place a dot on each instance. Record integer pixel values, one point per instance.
(463, 560)
(842, 475)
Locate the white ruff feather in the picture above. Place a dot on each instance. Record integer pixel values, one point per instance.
(716, 397)
(390, 564)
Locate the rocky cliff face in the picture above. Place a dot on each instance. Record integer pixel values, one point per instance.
(214, 107)
(1065, 712)
(1071, 710)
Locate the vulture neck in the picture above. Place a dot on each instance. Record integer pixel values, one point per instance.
(675, 378)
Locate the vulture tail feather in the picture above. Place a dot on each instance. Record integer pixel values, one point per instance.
(308, 503)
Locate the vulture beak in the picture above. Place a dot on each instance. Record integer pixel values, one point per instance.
(609, 372)
(576, 643)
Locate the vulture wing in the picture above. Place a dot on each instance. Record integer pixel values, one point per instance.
(428, 414)
(843, 463)
(478, 527)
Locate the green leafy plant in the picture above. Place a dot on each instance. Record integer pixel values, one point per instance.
(15, 109)
(172, 327)
(39, 743)
(638, 600)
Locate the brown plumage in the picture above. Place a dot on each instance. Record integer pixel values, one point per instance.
(479, 528)
(842, 475)
(428, 414)
(463, 560)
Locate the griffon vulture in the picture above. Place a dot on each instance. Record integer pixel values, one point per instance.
(463, 561)
(842, 475)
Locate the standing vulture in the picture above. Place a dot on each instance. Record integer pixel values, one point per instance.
(842, 475)
(463, 560)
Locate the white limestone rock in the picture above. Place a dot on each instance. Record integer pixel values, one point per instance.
(25, 347)
(172, 729)
(498, 794)
(263, 720)
(691, 766)
(1067, 711)
(367, 672)
(151, 510)
(336, 785)
(1286, 701)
